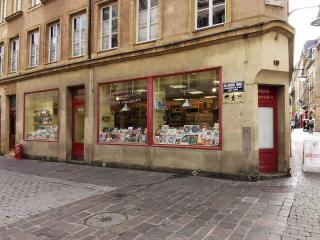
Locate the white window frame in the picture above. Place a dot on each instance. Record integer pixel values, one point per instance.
(110, 6)
(148, 22)
(210, 15)
(14, 55)
(81, 41)
(1, 58)
(16, 5)
(56, 39)
(35, 3)
(3, 10)
(34, 49)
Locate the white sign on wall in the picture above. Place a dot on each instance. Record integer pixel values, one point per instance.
(278, 3)
(311, 155)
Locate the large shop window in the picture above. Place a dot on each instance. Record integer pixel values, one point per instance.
(41, 115)
(186, 109)
(123, 111)
(210, 12)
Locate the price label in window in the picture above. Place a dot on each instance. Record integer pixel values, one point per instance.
(278, 3)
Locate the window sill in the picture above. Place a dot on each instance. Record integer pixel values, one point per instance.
(14, 16)
(123, 144)
(209, 27)
(45, 1)
(39, 140)
(34, 7)
(188, 146)
(107, 50)
(217, 148)
(32, 67)
(145, 42)
(2, 22)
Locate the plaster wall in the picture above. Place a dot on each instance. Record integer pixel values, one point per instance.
(241, 60)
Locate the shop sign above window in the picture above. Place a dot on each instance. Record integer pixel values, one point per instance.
(278, 3)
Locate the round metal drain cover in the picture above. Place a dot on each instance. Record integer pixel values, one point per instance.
(105, 220)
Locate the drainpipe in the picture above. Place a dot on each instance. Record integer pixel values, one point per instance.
(89, 27)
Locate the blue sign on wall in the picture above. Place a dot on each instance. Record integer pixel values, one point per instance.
(233, 87)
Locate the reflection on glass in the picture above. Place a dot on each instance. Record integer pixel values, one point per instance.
(41, 116)
(123, 112)
(266, 136)
(79, 124)
(186, 109)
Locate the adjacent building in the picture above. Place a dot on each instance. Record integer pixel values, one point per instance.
(181, 84)
(304, 89)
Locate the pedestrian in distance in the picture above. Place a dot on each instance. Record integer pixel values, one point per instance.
(310, 125)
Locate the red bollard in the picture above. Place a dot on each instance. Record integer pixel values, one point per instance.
(18, 152)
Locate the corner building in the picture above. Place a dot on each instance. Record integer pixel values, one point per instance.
(181, 84)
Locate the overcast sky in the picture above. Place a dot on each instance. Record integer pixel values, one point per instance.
(301, 21)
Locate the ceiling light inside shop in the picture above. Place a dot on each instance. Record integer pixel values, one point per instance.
(195, 92)
(117, 99)
(210, 97)
(179, 86)
(216, 82)
(141, 90)
(125, 108)
(186, 104)
(214, 90)
(179, 99)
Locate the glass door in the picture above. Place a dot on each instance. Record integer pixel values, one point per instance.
(78, 117)
(268, 132)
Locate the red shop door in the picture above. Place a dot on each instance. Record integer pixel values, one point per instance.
(268, 132)
(78, 114)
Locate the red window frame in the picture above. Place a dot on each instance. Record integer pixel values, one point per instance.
(24, 116)
(150, 142)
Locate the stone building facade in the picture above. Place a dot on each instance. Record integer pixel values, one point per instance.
(181, 84)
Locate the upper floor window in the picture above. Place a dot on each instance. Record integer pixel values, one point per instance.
(16, 5)
(210, 12)
(1, 58)
(34, 49)
(79, 35)
(54, 43)
(35, 2)
(3, 8)
(14, 54)
(109, 27)
(147, 20)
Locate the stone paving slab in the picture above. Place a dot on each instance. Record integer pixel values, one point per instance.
(24, 195)
(166, 206)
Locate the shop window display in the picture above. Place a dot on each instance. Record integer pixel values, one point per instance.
(41, 115)
(123, 112)
(186, 109)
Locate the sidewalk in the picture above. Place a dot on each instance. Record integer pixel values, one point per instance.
(149, 205)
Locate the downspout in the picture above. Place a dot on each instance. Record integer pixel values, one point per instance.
(89, 27)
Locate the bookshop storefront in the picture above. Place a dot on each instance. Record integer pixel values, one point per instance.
(178, 110)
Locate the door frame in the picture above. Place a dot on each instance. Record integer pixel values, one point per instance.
(74, 105)
(266, 101)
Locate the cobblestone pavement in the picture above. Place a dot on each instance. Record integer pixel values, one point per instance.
(24, 195)
(173, 207)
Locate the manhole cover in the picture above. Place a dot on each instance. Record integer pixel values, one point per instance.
(105, 220)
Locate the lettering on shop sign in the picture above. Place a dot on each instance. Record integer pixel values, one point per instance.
(277, 3)
(124, 96)
(233, 92)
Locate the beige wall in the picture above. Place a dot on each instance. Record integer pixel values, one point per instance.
(240, 60)
(177, 23)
